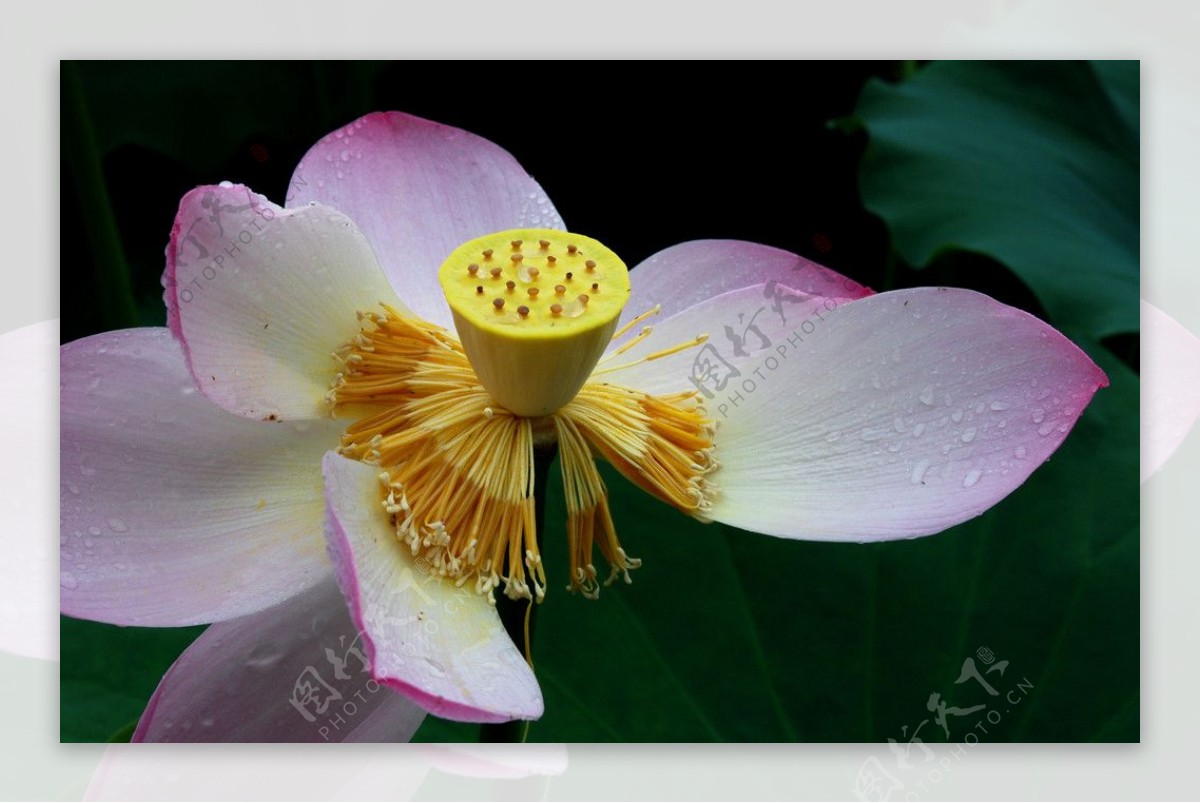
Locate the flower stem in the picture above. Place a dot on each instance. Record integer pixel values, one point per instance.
(515, 613)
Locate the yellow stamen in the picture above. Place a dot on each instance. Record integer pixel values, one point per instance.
(657, 308)
(459, 470)
(658, 355)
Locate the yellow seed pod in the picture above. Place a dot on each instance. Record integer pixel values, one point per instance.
(534, 309)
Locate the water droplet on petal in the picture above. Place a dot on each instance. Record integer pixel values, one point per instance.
(972, 477)
(927, 396)
(1019, 452)
(968, 435)
(918, 472)
(68, 581)
(118, 526)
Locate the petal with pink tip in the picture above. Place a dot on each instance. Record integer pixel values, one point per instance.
(173, 511)
(419, 189)
(898, 415)
(260, 296)
(1170, 387)
(442, 646)
(688, 273)
(292, 673)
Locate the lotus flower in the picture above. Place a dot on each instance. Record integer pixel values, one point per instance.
(330, 451)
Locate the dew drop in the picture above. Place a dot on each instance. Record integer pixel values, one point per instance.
(345, 156)
(1046, 429)
(918, 472)
(972, 477)
(927, 396)
(118, 526)
(95, 531)
(1019, 453)
(968, 435)
(918, 430)
(956, 416)
(68, 581)
(898, 423)
(1039, 415)
(998, 406)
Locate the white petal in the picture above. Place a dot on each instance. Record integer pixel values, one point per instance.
(442, 646)
(261, 299)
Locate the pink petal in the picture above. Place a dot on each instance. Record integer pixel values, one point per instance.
(1170, 387)
(173, 511)
(291, 673)
(898, 415)
(689, 273)
(28, 604)
(419, 190)
(442, 646)
(261, 300)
